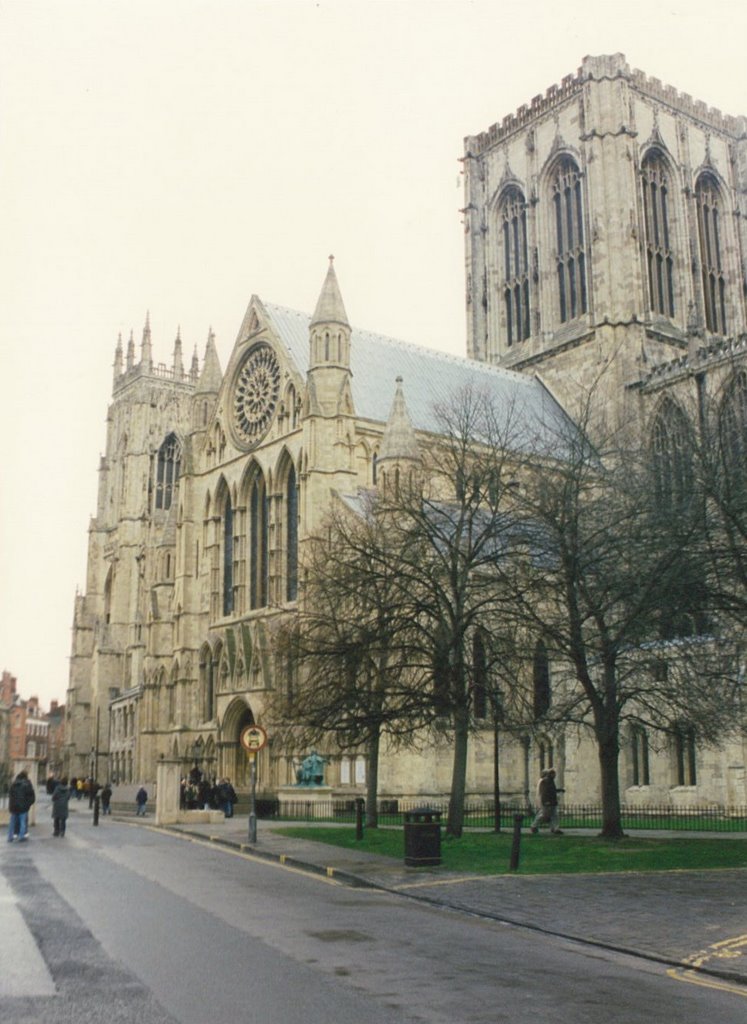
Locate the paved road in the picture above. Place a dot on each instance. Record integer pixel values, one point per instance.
(127, 923)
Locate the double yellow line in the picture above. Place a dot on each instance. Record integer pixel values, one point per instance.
(728, 949)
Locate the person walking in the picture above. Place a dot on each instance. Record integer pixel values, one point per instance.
(106, 799)
(141, 799)
(60, 809)
(547, 803)
(226, 797)
(21, 797)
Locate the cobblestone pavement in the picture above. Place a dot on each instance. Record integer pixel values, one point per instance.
(687, 919)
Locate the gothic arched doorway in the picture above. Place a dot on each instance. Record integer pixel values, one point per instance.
(234, 760)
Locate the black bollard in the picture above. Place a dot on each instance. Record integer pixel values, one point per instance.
(96, 809)
(359, 804)
(516, 844)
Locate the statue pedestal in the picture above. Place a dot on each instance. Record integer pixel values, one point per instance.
(305, 801)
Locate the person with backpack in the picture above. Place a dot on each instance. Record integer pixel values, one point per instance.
(21, 797)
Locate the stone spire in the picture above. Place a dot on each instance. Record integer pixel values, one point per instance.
(330, 308)
(399, 441)
(118, 362)
(211, 377)
(131, 352)
(178, 360)
(146, 350)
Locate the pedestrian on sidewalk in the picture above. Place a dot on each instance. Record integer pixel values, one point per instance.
(106, 799)
(141, 799)
(547, 803)
(21, 797)
(226, 797)
(60, 809)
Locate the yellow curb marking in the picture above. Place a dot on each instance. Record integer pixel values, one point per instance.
(438, 881)
(727, 949)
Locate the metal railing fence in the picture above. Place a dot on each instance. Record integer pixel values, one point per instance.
(482, 815)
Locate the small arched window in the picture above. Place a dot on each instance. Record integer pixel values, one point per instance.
(167, 471)
(259, 543)
(685, 765)
(515, 265)
(708, 199)
(659, 255)
(569, 239)
(639, 756)
(671, 454)
(479, 677)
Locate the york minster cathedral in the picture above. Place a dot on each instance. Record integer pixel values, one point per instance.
(605, 241)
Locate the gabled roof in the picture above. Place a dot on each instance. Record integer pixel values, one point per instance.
(430, 378)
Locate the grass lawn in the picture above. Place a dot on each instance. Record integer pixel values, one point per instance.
(489, 853)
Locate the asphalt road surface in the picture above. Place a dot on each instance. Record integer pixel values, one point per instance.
(124, 923)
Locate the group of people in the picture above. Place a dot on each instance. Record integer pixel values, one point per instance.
(22, 796)
(200, 793)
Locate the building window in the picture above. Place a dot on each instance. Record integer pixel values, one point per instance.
(684, 754)
(259, 539)
(545, 753)
(708, 199)
(659, 257)
(671, 456)
(227, 557)
(733, 428)
(479, 677)
(167, 473)
(639, 756)
(569, 237)
(515, 265)
(291, 537)
(541, 677)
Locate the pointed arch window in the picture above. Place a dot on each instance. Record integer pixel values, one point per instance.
(569, 239)
(291, 537)
(708, 199)
(228, 556)
(671, 455)
(659, 255)
(515, 265)
(639, 756)
(541, 680)
(733, 427)
(167, 471)
(259, 543)
(685, 760)
(479, 677)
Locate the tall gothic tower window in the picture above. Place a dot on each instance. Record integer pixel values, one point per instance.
(167, 471)
(259, 540)
(541, 681)
(513, 217)
(672, 464)
(569, 237)
(291, 538)
(659, 257)
(227, 557)
(708, 199)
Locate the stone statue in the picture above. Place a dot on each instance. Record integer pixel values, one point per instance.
(311, 772)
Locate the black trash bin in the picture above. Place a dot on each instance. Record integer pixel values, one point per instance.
(422, 837)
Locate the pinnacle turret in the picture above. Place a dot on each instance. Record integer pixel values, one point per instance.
(146, 349)
(131, 352)
(178, 360)
(330, 308)
(399, 441)
(194, 370)
(118, 361)
(212, 375)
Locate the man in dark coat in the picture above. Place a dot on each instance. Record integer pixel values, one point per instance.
(547, 799)
(60, 801)
(21, 797)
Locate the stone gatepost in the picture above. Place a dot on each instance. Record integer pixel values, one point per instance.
(168, 777)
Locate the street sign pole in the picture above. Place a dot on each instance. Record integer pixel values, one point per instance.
(253, 738)
(253, 799)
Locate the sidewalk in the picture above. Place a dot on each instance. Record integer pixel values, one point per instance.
(694, 920)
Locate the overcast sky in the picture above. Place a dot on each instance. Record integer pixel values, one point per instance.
(179, 156)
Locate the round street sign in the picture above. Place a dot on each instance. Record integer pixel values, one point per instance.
(253, 738)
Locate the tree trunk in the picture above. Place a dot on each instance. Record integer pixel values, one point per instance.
(455, 820)
(609, 752)
(372, 781)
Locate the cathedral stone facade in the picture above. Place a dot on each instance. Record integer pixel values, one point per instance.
(606, 253)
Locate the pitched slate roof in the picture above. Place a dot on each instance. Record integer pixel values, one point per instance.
(429, 378)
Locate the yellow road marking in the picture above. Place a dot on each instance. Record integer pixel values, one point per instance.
(727, 949)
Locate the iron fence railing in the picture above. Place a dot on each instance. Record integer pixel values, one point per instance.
(482, 815)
